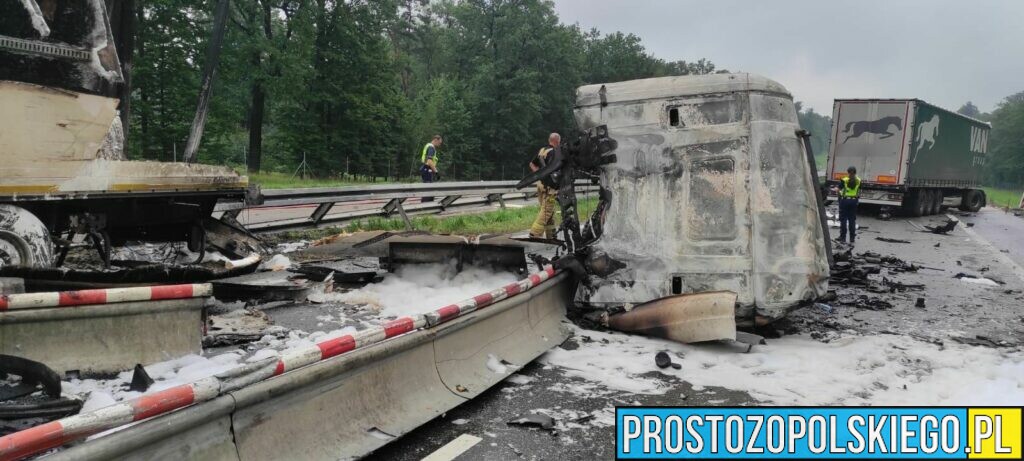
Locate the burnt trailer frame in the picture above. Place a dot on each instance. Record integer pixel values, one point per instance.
(62, 165)
(712, 192)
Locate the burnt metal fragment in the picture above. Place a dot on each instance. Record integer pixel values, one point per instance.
(140, 379)
(682, 318)
(889, 240)
(945, 228)
(534, 420)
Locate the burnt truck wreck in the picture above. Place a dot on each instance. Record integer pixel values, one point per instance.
(708, 190)
(63, 169)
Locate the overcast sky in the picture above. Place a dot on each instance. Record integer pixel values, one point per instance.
(943, 51)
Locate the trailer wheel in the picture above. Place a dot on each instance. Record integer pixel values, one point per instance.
(914, 204)
(24, 239)
(925, 198)
(936, 201)
(972, 200)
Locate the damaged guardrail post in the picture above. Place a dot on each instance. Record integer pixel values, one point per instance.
(321, 211)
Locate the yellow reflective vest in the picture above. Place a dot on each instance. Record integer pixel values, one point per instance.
(850, 192)
(423, 156)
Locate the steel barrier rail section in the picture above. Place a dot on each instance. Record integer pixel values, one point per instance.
(105, 330)
(450, 194)
(527, 327)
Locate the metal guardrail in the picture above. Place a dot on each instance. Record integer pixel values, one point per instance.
(447, 195)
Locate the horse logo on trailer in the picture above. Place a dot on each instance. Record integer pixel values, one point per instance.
(927, 132)
(880, 127)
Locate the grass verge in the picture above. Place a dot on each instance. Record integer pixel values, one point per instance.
(287, 181)
(1002, 197)
(500, 221)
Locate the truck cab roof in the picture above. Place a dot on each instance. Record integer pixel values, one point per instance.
(673, 87)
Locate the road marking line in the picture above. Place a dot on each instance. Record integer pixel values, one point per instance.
(454, 448)
(1017, 270)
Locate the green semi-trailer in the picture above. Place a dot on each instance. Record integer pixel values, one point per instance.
(909, 154)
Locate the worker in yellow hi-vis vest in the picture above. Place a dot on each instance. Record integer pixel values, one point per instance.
(544, 225)
(849, 197)
(428, 163)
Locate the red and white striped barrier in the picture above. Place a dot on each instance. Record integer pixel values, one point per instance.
(103, 296)
(56, 433)
(328, 348)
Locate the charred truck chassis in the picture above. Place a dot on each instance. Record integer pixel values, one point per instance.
(110, 220)
(62, 166)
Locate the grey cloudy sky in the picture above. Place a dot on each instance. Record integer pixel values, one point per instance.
(943, 51)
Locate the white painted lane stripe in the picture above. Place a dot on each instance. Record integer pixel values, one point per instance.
(1017, 270)
(454, 448)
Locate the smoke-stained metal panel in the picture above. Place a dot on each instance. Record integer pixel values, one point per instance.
(712, 191)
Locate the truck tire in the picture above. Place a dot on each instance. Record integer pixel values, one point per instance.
(940, 196)
(914, 205)
(936, 202)
(925, 199)
(24, 239)
(972, 200)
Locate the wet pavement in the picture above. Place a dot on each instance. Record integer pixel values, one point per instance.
(1003, 229)
(915, 341)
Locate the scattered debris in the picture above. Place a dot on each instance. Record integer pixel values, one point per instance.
(919, 303)
(534, 420)
(979, 280)
(31, 372)
(867, 302)
(140, 379)
(662, 360)
(749, 339)
(346, 271)
(585, 418)
(21, 399)
(277, 262)
(47, 409)
(889, 240)
(238, 327)
(851, 270)
(980, 340)
(272, 286)
(944, 229)
(133, 273)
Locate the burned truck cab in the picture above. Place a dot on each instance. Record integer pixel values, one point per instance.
(712, 192)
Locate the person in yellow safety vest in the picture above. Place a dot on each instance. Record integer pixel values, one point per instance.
(428, 163)
(544, 225)
(849, 197)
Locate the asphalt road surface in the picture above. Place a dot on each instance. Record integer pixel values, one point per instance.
(846, 352)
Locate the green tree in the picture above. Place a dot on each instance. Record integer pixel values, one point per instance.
(820, 127)
(1005, 166)
(357, 87)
